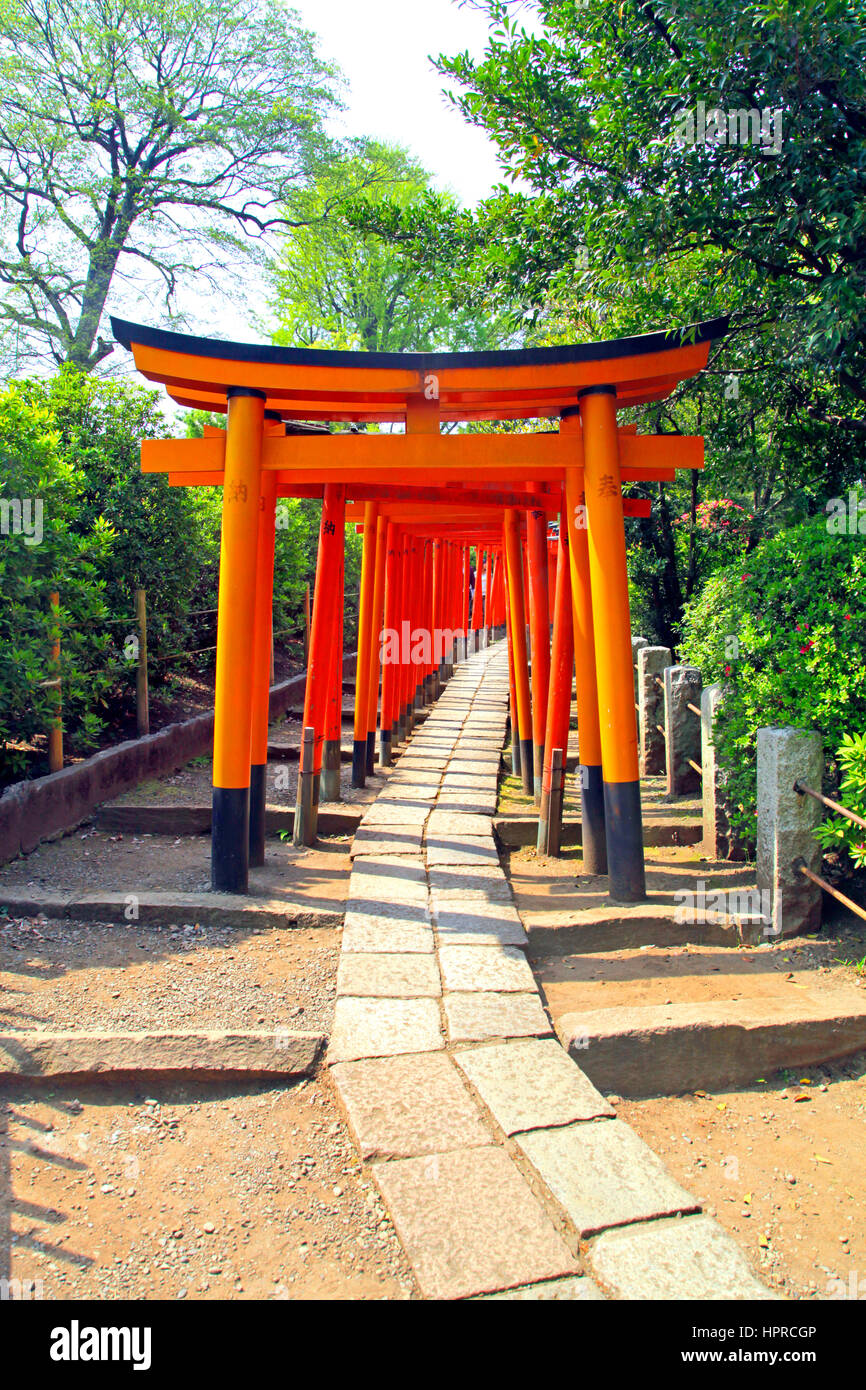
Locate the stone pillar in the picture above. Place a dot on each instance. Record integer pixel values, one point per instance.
(651, 663)
(785, 824)
(637, 643)
(719, 841)
(682, 729)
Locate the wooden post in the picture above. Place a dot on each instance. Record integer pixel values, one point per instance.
(386, 719)
(230, 851)
(517, 612)
(592, 804)
(557, 788)
(376, 643)
(539, 628)
(55, 728)
(612, 629)
(365, 638)
(262, 653)
(329, 784)
(559, 695)
(329, 561)
(142, 703)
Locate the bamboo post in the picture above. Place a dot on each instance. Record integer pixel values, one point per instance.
(55, 728)
(142, 700)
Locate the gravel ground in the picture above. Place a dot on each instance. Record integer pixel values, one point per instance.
(162, 1189)
(83, 975)
(91, 859)
(190, 1192)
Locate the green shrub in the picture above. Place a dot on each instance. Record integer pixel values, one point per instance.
(837, 832)
(54, 555)
(785, 630)
(166, 538)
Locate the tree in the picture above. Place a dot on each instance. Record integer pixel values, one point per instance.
(601, 115)
(337, 286)
(142, 138)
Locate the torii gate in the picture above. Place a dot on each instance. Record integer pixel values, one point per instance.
(586, 460)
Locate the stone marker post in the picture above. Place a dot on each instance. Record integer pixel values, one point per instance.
(651, 663)
(682, 729)
(715, 841)
(785, 824)
(637, 643)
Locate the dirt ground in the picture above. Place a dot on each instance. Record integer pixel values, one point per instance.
(159, 1189)
(98, 859)
(780, 1165)
(778, 1162)
(132, 978)
(180, 1191)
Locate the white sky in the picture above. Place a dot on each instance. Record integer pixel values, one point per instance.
(395, 94)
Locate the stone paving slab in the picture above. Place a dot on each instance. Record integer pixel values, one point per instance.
(409, 792)
(384, 934)
(479, 910)
(577, 1288)
(603, 1175)
(469, 883)
(448, 824)
(531, 1084)
(494, 925)
(476, 849)
(397, 813)
(690, 1259)
(479, 804)
(383, 1028)
(388, 975)
(475, 1017)
(400, 1107)
(470, 1224)
(489, 968)
(478, 765)
(387, 839)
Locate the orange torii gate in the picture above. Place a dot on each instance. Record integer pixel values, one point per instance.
(259, 457)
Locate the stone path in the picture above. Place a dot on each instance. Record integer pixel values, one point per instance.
(505, 1171)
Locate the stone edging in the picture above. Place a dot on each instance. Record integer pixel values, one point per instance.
(506, 1173)
(34, 811)
(199, 1053)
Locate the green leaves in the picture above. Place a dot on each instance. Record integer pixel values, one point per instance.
(132, 132)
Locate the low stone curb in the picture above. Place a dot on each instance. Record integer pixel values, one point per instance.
(280, 1052)
(196, 820)
(167, 909)
(666, 1050)
(515, 832)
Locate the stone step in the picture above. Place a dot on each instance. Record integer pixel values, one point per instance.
(565, 914)
(656, 1022)
(517, 830)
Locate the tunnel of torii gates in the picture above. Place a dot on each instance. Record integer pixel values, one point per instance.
(420, 518)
